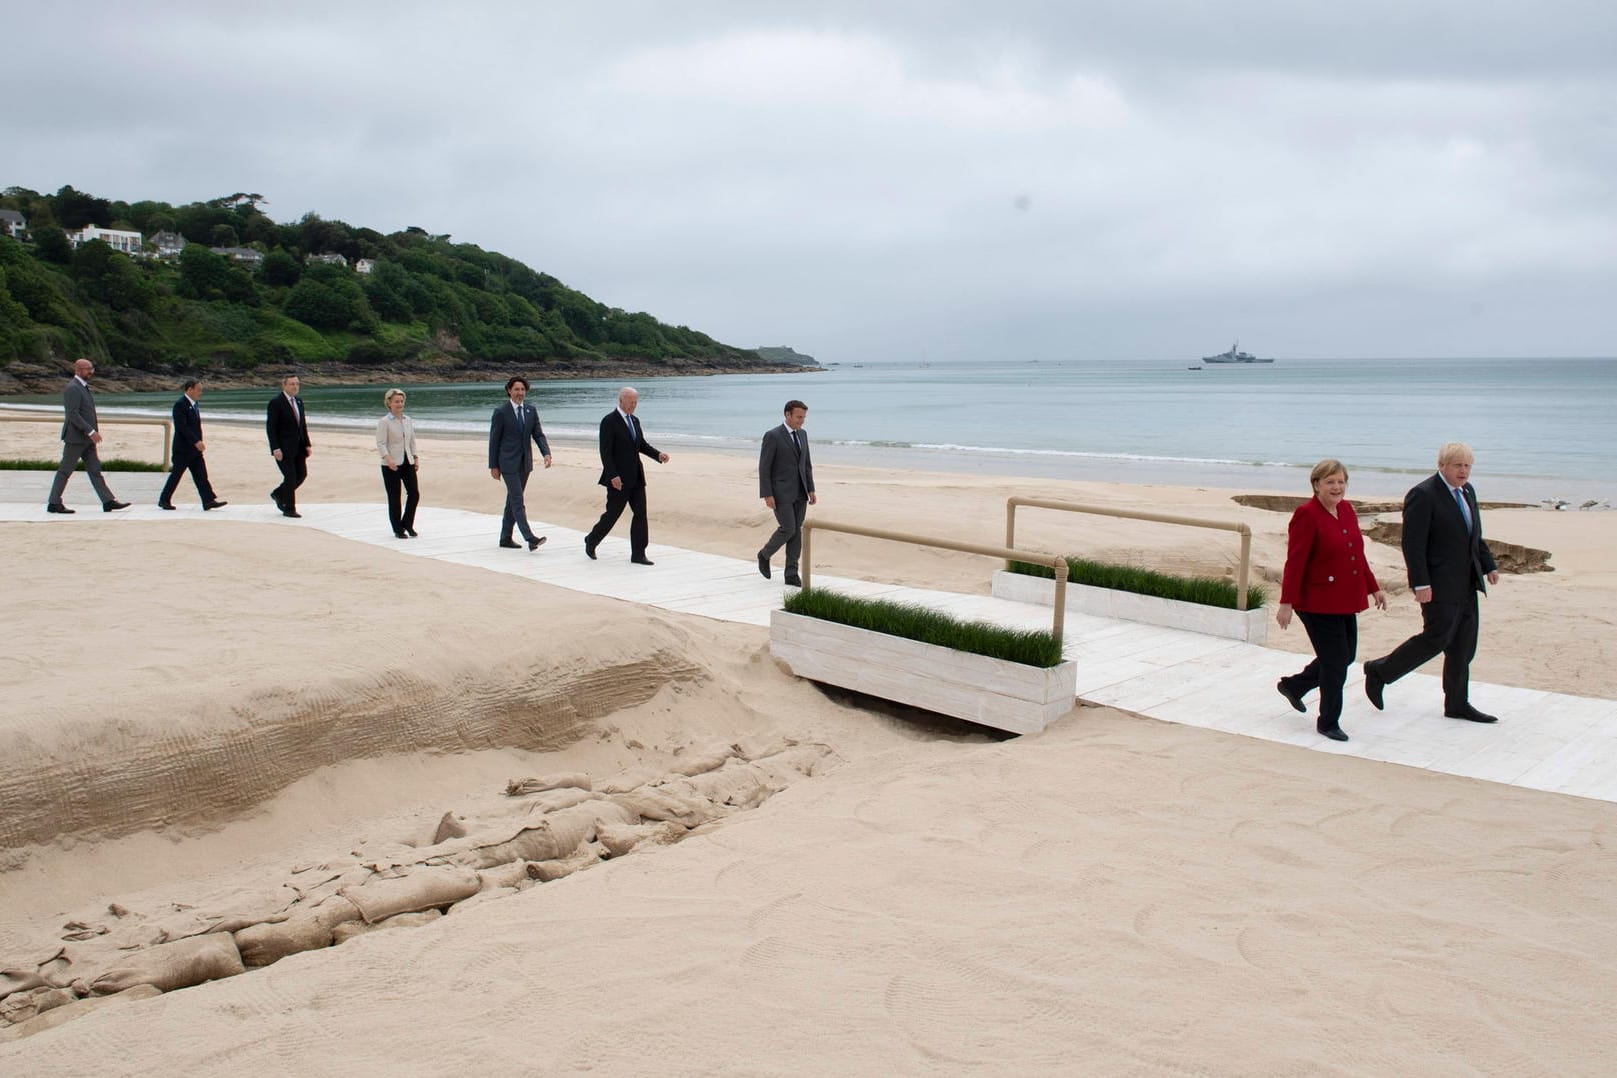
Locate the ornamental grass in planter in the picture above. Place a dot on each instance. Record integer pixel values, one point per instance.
(1029, 647)
(1203, 591)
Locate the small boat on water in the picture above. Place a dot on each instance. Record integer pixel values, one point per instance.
(1235, 355)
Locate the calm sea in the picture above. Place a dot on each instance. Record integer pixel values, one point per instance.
(1542, 428)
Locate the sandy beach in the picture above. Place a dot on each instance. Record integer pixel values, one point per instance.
(899, 895)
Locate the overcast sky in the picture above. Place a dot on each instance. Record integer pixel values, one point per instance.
(896, 181)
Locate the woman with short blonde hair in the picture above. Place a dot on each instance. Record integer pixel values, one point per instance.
(395, 441)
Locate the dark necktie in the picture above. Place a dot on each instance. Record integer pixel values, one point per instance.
(1465, 510)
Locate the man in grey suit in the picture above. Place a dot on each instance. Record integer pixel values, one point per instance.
(79, 439)
(513, 431)
(786, 484)
(1448, 564)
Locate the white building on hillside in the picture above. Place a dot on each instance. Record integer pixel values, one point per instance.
(116, 238)
(13, 224)
(331, 258)
(364, 265)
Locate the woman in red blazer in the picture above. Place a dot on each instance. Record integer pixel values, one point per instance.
(1326, 582)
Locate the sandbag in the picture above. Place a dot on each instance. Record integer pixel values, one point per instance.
(500, 876)
(173, 965)
(552, 836)
(307, 929)
(571, 779)
(77, 1009)
(423, 889)
(548, 871)
(710, 758)
(660, 803)
(349, 929)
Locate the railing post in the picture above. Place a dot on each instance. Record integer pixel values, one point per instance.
(168, 441)
(807, 567)
(1059, 622)
(1241, 572)
(1010, 526)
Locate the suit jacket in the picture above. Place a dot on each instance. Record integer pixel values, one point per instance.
(1326, 572)
(78, 413)
(395, 438)
(187, 430)
(288, 430)
(784, 473)
(1439, 550)
(511, 439)
(621, 451)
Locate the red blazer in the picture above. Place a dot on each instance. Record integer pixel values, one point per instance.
(1326, 572)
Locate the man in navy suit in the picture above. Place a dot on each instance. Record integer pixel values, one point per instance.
(287, 424)
(513, 431)
(786, 484)
(188, 450)
(623, 443)
(1448, 564)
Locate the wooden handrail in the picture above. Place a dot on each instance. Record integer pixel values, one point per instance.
(166, 424)
(1055, 561)
(1131, 514)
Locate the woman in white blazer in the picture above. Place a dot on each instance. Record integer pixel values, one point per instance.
(395, 441)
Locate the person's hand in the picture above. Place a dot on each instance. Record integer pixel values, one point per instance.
(95, 437)
(308, 451)
(662, 458)
(202, 447)
(1493, 577)
(494, 473)
(388, 463)
(813, 498)
(1283, 615)
(276, 453)
(617, 483)
(1423, 595)
(547, 462)
(770, 501)
(1380, 599)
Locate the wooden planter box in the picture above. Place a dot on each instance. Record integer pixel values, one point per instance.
(1249, 625)
(992, 692)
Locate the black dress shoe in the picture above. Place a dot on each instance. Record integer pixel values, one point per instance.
(215, 504)
(407, 530)
(112, 505)
(763, 566)
(275, 496)
(1333, 732)
(400, 535)
(535, 544)
(794, 581)
(166, 505)
(1292, 698)
(589, 550)
(642, 561)
(1469, 714)
(1373, 686)
(510, 544)
(59, 509)
(288, 512)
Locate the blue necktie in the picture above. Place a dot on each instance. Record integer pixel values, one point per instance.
(1465, 510)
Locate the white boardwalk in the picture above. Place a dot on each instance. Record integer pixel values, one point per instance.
(1544, 740)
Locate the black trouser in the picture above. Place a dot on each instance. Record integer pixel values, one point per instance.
(294, 470)
(392, 480)
(516, 508)
(639, 530)
(789, 533)
(198, 467)
(1336, 640)
(1450, 628)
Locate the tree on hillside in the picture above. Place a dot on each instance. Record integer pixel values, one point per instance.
(75, 209)
(50, 243)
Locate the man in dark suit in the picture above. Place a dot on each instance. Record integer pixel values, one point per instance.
(1448, 564)
(188, 450)
(513, 431)
(287, 424)
(623, 443)
(79, 439)
(786, 484)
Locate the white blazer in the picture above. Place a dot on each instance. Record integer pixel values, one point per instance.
(395, 438)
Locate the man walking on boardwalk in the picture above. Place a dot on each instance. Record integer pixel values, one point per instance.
(1448, 565)
(287, 424)
(786, 484)
(623, 443)
(79, 439)
(188, 450)
(513, 431)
